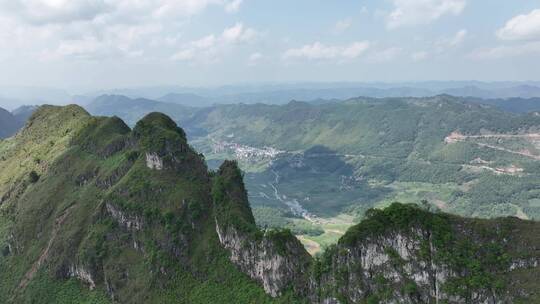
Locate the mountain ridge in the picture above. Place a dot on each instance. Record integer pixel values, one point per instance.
(135, 215)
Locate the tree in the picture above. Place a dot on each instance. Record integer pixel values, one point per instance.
(33, 176)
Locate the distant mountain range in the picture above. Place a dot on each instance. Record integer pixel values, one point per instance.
(12, 97)
(11, 122)
(279, 95)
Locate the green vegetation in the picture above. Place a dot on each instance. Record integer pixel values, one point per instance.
(346, 157)
(59, 225)
(97, 215)
(473, 248)
(267, 217)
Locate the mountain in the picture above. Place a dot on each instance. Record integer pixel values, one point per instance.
(132, 110)
(282, 93)
(389, 144)
(519, 91)
(23, 113)
(516, 105)
(186, 99)
(12, 97)
(9, 124)
(315, 168)
(96, 212)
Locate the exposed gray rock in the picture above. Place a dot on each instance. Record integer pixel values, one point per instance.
(83, 274)
(131, 222)
(153, 161)
(262, 261)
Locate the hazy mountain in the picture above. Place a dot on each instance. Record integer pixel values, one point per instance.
(131, 110)
(187, 99)
(9, 124)
(21, 95)
(136, 217)
(283, 93)
(278, 93)
(23, 113)
(517, 105)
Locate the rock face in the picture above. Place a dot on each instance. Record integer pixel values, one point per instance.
(403, 255)
(388, 265)
(82, 274)
(153, 161)
(276, 259)
(263, 262)
(131, 222)
(137, 215)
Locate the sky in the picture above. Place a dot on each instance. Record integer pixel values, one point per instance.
(101, 44)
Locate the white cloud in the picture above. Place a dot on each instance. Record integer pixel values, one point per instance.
(522, 27)
(318, 50)
(238, 33)
(417, 12)
(205, 42)
(68, 11)
(385, 55)
(458, 38)
(451, 42)
(506, 51)
(233, 6)
(419, 56)
(342, 25)
(87, 29)
(40, 12)
(209, 47)
(182, 55)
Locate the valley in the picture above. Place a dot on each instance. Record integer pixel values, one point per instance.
(135, 216)
(269, 152)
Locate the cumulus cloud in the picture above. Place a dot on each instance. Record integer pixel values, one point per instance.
(207, 48)
(238, 33)
(318, 50)
(417, 12)
(182, 55)
(233, 6)
(451, 42)
(522, 27)
(87, 29)
(39, 12)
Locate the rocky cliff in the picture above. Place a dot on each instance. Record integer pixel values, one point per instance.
(93, 211)
(401, 254)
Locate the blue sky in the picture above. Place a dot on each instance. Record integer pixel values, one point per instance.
(120, 43)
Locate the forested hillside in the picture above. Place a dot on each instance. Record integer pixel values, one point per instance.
(316, 167)
(92, 211)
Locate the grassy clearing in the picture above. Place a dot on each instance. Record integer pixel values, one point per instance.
(333, 229)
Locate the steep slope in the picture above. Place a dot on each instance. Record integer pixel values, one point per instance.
(361, 126)
(398, 147)
(465, 158)
(94, 212)
(402, 254)
(127, 213)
